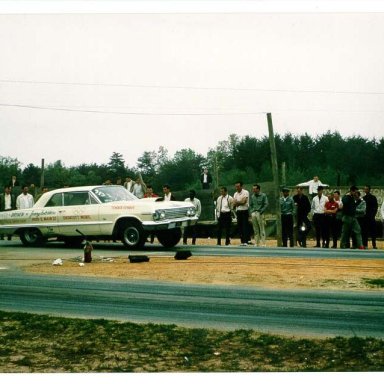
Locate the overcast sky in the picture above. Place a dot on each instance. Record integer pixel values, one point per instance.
(77, 87)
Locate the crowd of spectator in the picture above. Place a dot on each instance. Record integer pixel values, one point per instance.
(349, 220)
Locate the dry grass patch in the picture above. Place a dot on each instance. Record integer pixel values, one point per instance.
(242, 271)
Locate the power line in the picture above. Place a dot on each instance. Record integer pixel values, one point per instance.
(249, 113)
(237, 89)
(128, 113)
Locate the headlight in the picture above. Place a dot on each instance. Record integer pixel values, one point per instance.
(191, 211)
(159, 215)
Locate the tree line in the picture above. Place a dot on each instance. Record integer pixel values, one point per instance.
(335, 159)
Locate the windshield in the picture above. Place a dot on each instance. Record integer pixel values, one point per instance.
(107, 194)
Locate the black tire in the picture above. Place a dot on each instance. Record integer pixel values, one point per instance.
(169, 238)
(132, 235)
(31, 237)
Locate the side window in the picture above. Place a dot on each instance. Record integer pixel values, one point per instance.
(76, 198)
(55, 201)
(92, 200)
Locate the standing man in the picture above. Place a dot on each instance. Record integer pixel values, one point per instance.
(339, 217)
(318, 207)
(196, 202)
(206, 179)
(14, 186)
(257, 205)
(313, 185)
(7, 203)
(361, 209)
(370, 215)
(303, 207)
(224, 205)
(14, 182)
(25, 199)
(241, 204)
(139, 188)
(287, 206)
(167, 193)
(350, 223)
(129, 183)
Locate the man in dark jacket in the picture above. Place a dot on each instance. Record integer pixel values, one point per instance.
(7, 203)
(303, 207)
(287, 206)
(370, 221)
(350, 223)
(206, 179)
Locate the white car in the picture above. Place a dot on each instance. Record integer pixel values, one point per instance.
(98, 212)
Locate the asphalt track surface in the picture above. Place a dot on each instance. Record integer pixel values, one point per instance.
(291, 312)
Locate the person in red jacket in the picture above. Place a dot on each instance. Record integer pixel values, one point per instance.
(330, 209)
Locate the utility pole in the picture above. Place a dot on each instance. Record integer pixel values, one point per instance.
(216, 172)
(42, 174)
(275, 173)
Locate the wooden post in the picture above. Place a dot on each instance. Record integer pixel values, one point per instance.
(42, 175)
(216, 173)
(275, 173)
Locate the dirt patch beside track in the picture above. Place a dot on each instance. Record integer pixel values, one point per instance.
(266, 272)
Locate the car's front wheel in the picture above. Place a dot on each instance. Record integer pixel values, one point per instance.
(132, 235)
(169, 238)
(31, 237)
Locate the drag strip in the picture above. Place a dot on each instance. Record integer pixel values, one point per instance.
(291, 312)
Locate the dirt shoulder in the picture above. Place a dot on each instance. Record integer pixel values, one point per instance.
(291, 273)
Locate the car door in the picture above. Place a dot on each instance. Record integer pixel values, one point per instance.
(79, 212)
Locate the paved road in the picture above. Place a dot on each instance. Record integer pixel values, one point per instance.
(312, 313)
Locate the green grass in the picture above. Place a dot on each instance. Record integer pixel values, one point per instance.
(37, 343)
(379, 283)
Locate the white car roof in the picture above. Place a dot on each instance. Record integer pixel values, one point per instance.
(47, 195)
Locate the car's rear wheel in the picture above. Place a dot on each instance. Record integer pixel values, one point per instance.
(132, 235)
(169, 238)
(31, 237)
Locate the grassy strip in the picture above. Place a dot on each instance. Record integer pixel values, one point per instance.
(377, 283)
(38, 343)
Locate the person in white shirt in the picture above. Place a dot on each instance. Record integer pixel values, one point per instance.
(224, 205)
(128, 184)
(313, 185)
(318, 207)
(241, 204)
(192, 229)
(167, 193)
(24, 200)
(139, 188)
